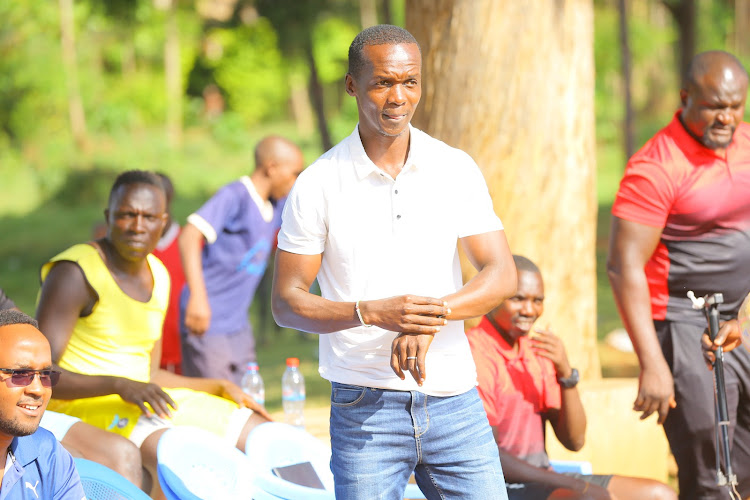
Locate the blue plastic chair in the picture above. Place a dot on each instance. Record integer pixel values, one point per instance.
(577, 466)
(102, 483)
(276, 444)
(194, 464)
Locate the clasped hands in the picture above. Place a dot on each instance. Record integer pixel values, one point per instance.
(417, 320)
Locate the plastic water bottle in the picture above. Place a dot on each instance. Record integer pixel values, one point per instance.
(293, 393)
(252, 383)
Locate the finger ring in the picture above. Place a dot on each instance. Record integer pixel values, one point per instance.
(411, 357)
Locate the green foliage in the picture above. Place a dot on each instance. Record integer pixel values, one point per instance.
(331, 38)
(251, 72)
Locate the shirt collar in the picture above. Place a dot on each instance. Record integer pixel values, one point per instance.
(25, 449)
(690, 144)
(364, 166)
(506, 350)
(265, 207)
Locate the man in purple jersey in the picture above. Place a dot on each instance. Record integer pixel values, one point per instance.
(225, 247)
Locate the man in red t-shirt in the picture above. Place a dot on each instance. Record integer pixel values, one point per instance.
(168, 251)
(525, 380)
(681, 221)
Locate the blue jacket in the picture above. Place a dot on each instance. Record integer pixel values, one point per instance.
(43, 470)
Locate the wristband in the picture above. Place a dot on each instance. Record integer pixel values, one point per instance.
(359, 315)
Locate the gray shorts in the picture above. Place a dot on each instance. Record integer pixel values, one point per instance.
(218, 356)
(690, 426)
(533, 491)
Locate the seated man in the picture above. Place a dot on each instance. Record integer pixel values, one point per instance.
(526, 380)
(36, 465)
(86, 441)
(102, 305)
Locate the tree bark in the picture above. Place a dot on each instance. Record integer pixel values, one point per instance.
(628, 128)
(316, 94)
(684, 13)
(76, 113)
(512, 84)
(741, 27)
(173, 76)
(368, 13)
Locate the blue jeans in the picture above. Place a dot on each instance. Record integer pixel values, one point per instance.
(379, 437)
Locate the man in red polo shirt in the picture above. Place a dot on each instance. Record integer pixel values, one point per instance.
(525, 380)
(681, 221)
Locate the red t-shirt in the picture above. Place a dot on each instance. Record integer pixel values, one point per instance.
(516, 389)
(168, 252)
(702, 202)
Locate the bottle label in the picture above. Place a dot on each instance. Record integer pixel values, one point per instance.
(291, 396)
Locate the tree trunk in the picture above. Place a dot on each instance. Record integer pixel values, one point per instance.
(741, 27)
(512, 84)
(368, 13)
(684, 13)
(628, 129)
(173, 76)
(316, 94)
(300, 104)
(76, 113)
(387, 13)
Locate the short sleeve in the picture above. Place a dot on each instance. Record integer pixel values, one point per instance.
(646, 194)
(303, 221)
(215, 214)
(475, 213)
(487, 378)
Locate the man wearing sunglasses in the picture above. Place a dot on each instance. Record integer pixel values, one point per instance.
(36, 465)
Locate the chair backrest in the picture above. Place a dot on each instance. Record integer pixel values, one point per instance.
(273, 444)
(194, 464)
(102, 483)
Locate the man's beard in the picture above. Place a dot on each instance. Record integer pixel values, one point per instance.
(15, 428)
(711, 144)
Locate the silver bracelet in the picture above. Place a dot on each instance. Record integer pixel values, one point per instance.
(359, 315)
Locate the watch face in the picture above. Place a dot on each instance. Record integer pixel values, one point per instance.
(571, 381)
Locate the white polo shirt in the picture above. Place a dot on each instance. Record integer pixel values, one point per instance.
(381, 237)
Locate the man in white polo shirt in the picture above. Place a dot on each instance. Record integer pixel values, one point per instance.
(377, 219)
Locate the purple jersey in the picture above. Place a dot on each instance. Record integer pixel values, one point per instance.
(239, 243)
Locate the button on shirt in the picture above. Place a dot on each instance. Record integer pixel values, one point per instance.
(42, 469)
(381, 237)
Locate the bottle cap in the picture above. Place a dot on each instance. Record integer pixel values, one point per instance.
(294, 362)
(252, 365)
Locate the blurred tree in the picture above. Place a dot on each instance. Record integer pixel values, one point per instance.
(70, 60)
(296, 22)
(684, 13)
(512, 83)
(628, 132)
(173, 74)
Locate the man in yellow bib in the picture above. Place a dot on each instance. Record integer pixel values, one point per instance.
(102, 305)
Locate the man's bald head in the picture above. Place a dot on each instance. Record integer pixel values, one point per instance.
(275, 149)
(278, 162)
(713, 62)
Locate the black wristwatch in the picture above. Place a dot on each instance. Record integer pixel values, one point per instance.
(569, 381)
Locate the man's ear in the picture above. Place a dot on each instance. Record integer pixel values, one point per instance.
(106, 216)
(350, 86)
(683, 96)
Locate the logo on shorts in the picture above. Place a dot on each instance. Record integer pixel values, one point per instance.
(118, 422)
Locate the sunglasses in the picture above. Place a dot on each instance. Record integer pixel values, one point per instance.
(22, 378)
